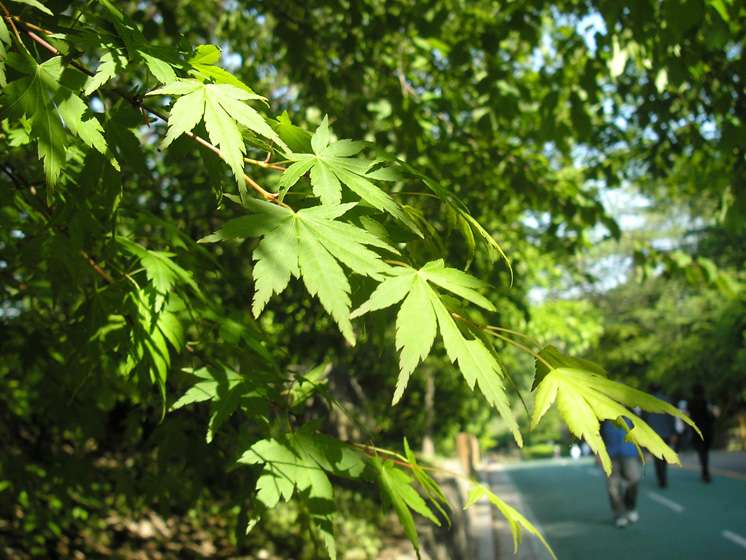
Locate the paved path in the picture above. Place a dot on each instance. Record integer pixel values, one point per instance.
(567, 501)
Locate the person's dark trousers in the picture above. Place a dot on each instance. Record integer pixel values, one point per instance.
(661, 472)
(703, 449)
(661, 468)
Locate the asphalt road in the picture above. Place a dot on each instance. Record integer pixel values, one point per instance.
(689, 520)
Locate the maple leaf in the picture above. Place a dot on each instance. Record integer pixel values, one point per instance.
(426, 482)
(45, 95)
(225, 389)
(202, 63)
(330, 166)
(120, 125)
(36, 4)
(423, 313)
(395, 489)
(161, 270)
(160, 61)
(4, 40)
(299, 461)
(299, 139)
(585, 397)
(150, 333)
(111, 63)
(310, 244)
(223, 108)
(514, 518)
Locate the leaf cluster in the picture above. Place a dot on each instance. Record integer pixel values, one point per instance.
(135, 314)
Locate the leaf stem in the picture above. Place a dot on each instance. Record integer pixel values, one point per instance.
(264, 164)
(9, 19)
(524, 348)
(96, 267)
(412, 193)
(32, 26)
(80, 14)
(400, 263)
(491, 330)
(516, 333)
(402, 461)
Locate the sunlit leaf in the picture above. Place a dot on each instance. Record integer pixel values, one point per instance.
(585, 398)
(423, 313)
(515, 519)
(330, 167)
(223, 108)
(311, 245)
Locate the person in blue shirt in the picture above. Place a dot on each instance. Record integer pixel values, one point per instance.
(665, 427)
(624, 479)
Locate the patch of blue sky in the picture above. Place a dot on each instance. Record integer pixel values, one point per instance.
(588, 27)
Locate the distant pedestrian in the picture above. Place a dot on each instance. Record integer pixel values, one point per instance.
(703, 415)
(575, 451)
(624, 479)
(683, 432)
(663, 425)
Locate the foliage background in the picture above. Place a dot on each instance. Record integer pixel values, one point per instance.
(525, 112)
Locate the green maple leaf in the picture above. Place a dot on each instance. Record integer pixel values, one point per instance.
(299, 462)
(149, 348)
(331, 166)
(4, 40)
(515, 519)
(202, 63)
(160, 269)
(45, 95)
(426, 482)
(585, 397)
(331, 454)
(120, 123)
(36, 4)
(171, 328)
(557, 359)
(423, 313)
(396, 491)
(223, 108)
(223, 387)
(111, 63)
(281, 470)
(310, 244)
(28, 97)
(5, 33)
(160, 61)
(299, 139)
(480, 365)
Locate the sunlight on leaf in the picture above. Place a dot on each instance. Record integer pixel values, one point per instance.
(586, 397)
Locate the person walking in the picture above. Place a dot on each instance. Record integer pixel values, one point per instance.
(703, 415)
(683, 433)
(624, 479)
(665, 427)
